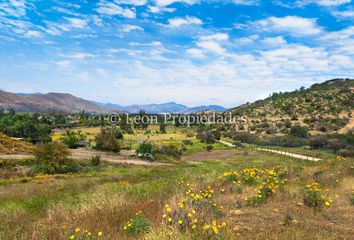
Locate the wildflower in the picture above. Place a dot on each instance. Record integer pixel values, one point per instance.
(89, 234)
(164, 216)
(213, 223)
(180, 222)
(77, 230)
(223, 224)
(170, 219)
(189, 215)
(206, 227)
(168, 209)
(194, 226)
(327, 203)
(215, 230)
(72, 237)
(195, 220)
(99, 234)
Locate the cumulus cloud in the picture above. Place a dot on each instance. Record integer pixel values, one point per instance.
(212, 46)
(111, 9)
(128, 28)
(178, 22)
(76, 22)
(195, 53)
(326, 3)
(132, 2)
(216, 36)
(292, 24)
(169, 2)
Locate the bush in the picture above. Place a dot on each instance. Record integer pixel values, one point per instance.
(209, 136)
(187, 142)
(72, 139)
(244, 137)
(170, 150)
(299, 131)
(106, 140)
(283, 141)
(146, 150)
(96, 160)
(209, 148)
(137, 225)
(53, 158)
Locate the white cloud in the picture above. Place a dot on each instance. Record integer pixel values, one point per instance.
(160, 9)
(274, 41)
(132, 2)
(33, 34)
(154, 43)
(195, 53)
(216, 37)
(212, 46)
(246, 2)
(169, 2)
(111, 9)
(343, 14)
(292, 24)
(78, 55)
(76, 22)
(178, 22)
(14, 8)
(326, 3)
(128, 28)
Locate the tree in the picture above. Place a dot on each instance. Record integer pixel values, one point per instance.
(72, 139)
(106, 140)
(163, 128)
(53, 158)
(299, 131)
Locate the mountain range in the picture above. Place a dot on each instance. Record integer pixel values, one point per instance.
(63, 102)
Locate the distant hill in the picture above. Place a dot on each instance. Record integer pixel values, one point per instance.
(325, 107)
(170, 107)
(203, 108)
(57, 102)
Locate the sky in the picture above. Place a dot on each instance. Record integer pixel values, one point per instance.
(194, 52)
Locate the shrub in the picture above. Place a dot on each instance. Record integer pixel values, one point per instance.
(106, 140)
(299, 131)
(170, 150)
(187, 142)
(53, 158)
(72, 139)
(146, 150)
(244, 137)
(137, 225)
(209, 148)
(209, 136)
(96, 160)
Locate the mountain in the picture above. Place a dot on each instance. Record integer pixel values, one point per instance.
(325, 107)
(170, 107)
(26, 94)
(203, 108)
(57, 102)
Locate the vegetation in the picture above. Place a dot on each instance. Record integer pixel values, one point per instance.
(107, 139)
(53, 158)
(73, 139)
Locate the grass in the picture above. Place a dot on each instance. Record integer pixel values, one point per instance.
(105, 199)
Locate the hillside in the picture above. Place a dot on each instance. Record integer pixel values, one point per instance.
(57, 102)
(10, 145)
(325, 107)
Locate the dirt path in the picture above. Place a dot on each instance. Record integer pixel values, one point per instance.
(294, 155)
(83, 153)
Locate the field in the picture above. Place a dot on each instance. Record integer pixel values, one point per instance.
(227, 193)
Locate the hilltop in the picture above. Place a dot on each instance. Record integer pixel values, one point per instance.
(324, 107)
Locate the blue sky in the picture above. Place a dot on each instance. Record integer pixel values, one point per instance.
(189, 51)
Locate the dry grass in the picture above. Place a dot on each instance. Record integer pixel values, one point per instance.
(9, 145)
